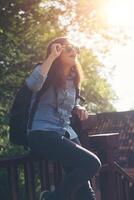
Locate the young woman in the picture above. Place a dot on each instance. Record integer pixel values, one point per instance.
(50, 135)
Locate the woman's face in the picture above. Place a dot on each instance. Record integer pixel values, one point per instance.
(69, 55)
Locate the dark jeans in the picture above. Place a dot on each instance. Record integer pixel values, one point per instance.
(79, 164)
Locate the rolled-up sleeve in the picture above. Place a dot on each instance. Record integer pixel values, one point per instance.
(36, 80)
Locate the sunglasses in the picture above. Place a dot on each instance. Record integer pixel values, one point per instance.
(69, 48)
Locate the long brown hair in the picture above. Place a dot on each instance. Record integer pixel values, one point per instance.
(56, 75)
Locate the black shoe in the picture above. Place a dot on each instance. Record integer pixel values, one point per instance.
(44, 195)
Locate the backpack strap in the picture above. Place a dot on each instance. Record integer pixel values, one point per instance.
(36, 102)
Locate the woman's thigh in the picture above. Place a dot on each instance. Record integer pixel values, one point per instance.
(56, 147)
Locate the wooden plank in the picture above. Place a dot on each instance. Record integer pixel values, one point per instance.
(58, 173)
(13, 182)
(44, 175)
(29, 180)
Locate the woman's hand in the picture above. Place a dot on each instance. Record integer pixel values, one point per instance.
(81, 112)
(56, 50)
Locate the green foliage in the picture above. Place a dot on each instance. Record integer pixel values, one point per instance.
(25, 29)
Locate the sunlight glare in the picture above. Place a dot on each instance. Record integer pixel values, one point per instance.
(122, 79)
(119, 15)
(120, 12)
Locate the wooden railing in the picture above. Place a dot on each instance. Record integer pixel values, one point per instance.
(25, 176)
(115, 183)
(124, 184)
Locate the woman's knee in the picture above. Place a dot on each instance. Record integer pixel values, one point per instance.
(96, 162)
(92, 163)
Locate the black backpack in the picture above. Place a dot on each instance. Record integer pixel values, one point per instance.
(19, 116)
(20, 119)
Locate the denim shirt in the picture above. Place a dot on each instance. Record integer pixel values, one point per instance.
(47, 117)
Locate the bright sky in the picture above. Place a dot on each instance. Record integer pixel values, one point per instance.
(122, 78)
(120, 13)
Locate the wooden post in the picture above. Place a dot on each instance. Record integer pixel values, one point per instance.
(104, 144)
